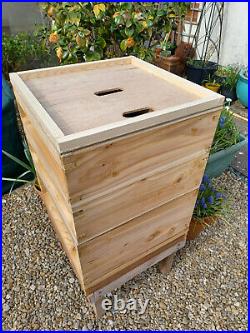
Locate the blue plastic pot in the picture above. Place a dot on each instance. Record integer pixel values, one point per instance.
(242, 89)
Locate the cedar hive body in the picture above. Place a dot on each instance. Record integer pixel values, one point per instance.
(119, 147)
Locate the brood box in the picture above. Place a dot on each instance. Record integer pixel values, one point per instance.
(119, 147)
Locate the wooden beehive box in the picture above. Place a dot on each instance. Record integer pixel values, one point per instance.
(119, 147)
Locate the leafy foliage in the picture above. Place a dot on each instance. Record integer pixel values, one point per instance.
(210, 202)
(227, 134)
(229, 75)
(28, 167)
(87, 31)
(23, 51)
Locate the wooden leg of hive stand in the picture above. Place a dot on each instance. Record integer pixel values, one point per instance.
(97, 306)
(166, 264)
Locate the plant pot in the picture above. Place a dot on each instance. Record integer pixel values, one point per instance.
(228, 93)
(213, 86)
(218, 162)
(242, 89)
(171, 64)
(197, 74)
(196, 226)
(157, 51)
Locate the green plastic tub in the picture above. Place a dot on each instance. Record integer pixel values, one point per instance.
(218, 162)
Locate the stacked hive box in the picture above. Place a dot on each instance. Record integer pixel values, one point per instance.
(119, 147)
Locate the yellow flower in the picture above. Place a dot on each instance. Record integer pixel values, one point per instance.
(53, 37)
(130, 42)
(51, 11)
(59, 53)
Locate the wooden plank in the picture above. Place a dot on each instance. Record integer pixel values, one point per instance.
(115, 130)
(64, 237)
(86, 66)
(97, 216)
(32, 106)
(59, 202)
(166, 264)
(118, 248)
(121, 162)
(141, 267)
(71, 100)
(179, 82)
(134, 268)
(49, 170)
(45, 152)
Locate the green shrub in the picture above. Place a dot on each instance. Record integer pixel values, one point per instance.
(24, 51)
(87, 31)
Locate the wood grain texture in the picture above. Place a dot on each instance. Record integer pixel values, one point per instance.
(49, 170)
(25, 97)
(71, 100)
(139, 267)
(63, 236)
(97, 216)
(129, 159)
(120, 191)
(135, 267)
(77, 118)
(118, 248)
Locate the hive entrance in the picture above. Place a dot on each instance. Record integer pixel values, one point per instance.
(136, 113)
(108, 91)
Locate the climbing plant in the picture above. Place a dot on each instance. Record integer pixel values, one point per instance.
(87, 31)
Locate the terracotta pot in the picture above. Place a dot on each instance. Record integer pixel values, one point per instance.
(157, 51)
(197, 225)
(171, 64)
(213, 86)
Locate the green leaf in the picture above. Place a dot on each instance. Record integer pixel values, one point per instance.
(101, 42)
(118, 20)
(19, 178)
(15, 180)
(86, 32)
(123, 45)
(65, 55)
(129, 32)
(17, 160)
(74, 18)
(128, 23)
(92, 56)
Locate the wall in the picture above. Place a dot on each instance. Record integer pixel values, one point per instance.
(234, 47)
(20, 16)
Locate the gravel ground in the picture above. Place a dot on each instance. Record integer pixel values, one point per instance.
(206, 289)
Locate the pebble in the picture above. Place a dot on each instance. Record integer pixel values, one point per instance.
(205, 290)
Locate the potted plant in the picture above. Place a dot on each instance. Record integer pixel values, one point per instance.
(227, 142)
(199, 70)
(166, 59)
(242, 87)
(221, 74)
(208, 208)
(228, 87)
(211, 84)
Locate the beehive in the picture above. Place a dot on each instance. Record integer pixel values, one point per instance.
(119, 147)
